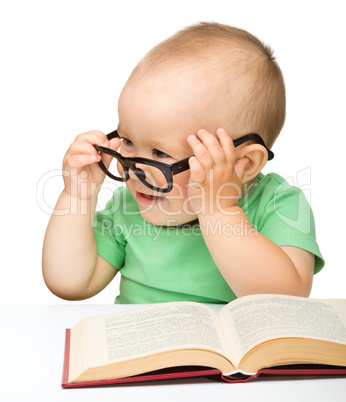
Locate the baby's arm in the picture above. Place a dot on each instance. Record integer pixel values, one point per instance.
(72, 269)
(250, 262)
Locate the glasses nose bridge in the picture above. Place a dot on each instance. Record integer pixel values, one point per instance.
(130, 169)
(150, 175)
(144, 172)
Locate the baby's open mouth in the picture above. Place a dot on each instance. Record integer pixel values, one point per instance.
(148, 198)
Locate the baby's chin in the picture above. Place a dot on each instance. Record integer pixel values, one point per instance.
(169, 221)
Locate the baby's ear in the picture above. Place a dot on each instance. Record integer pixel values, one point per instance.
(257, 157)
(240, 167)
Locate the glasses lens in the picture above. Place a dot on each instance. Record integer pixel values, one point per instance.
(151, 175)
(116, 169)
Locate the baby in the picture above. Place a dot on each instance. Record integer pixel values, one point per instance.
(197, 220)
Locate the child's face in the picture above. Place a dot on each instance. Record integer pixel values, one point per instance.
(155, 118)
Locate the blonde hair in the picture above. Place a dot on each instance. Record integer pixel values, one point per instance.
(246, 72)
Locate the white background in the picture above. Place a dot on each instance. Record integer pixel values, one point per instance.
(63, 64)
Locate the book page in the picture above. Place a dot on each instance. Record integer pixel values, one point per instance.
(251, 320)
(151, 329)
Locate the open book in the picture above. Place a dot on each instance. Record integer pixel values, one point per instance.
(248, 335)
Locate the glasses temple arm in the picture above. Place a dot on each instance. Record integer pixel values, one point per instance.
(237, 142)
(254, 137)
(113, 134)
(180, 166)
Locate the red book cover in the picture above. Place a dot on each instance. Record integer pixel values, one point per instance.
(196, 371)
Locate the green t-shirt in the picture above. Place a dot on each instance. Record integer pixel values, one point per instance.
(160, 264)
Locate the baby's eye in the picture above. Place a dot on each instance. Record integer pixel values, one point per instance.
(126, 142)
(160, 154)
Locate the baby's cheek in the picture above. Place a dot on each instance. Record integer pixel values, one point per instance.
(180, 183)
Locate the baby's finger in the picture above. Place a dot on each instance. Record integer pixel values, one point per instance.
(81, 148)
(78, 161)
(213, 146)
(93, 137)
(227, 145)
(200, 152)
(197, 172)
(114, 145)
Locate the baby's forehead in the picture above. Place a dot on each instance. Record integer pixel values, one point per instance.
(176, 65)
(206, 72)
(156, 73)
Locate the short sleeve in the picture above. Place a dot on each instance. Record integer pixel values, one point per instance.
(110, 243)
(288, 221)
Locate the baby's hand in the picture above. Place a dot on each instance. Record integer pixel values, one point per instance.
(216, 175)
(82, 175)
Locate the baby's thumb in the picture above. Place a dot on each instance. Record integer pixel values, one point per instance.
(114, 145)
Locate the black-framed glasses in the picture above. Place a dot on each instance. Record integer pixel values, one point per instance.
(158, 176)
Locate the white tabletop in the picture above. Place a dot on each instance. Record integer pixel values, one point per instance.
(31, 359)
